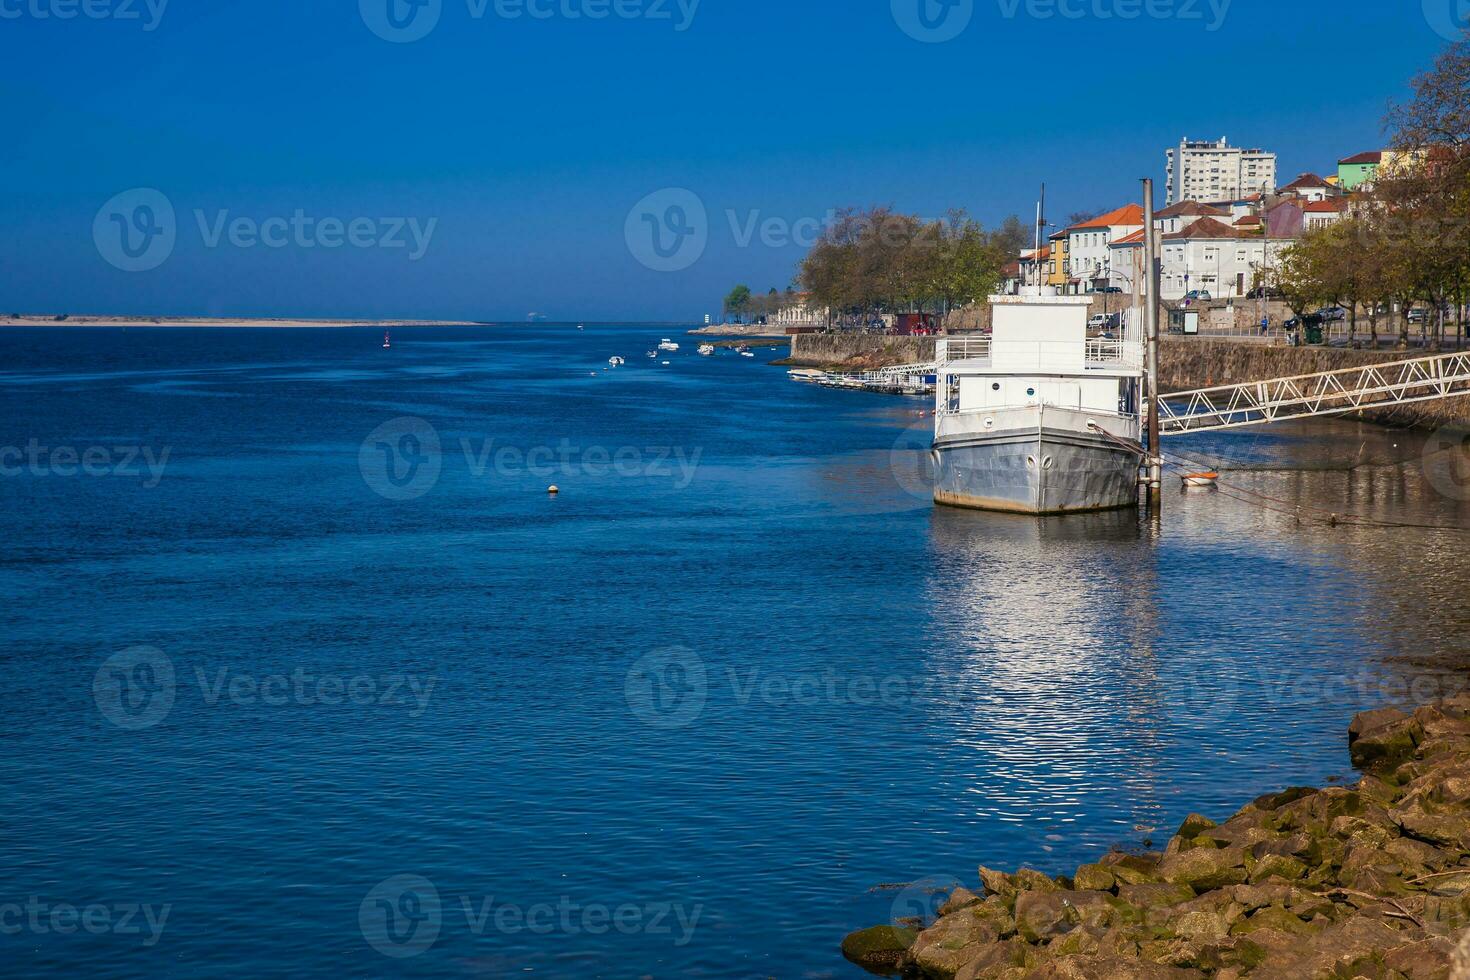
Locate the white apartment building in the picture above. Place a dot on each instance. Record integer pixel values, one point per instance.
(1200, 170)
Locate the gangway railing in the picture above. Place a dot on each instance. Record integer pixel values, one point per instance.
(1382, 385)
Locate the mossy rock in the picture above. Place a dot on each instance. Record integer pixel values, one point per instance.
(878, 949)
(1193, 825)
(1094, 877)
(1271, 917)
(1277, 866)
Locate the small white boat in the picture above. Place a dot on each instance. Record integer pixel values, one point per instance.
(667, 345)
(746, 353)
(386, 342)
(653, 353)
(706, 350)
(1201, 479)
(664, 363)
(616, 361)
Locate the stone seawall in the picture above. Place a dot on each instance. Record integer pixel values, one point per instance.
(1190, 363)
(858, 351)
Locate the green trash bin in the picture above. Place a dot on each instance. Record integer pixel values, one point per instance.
(1312, 330)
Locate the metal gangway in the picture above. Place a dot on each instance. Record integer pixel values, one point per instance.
(1370, 386)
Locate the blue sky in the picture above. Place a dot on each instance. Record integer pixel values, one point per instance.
(519, 145)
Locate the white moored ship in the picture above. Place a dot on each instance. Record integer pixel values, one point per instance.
(1038, 418)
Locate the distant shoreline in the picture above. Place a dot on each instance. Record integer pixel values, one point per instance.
(83, 320)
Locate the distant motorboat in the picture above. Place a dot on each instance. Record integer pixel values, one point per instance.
(664, 363)
(746, 353)
(616, 361)
(653, 353)
(667, 344)
(706, 350)
(387, 343)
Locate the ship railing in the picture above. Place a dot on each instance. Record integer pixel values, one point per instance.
(1100, 353)
(963, 349)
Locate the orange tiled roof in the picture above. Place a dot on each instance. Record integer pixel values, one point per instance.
(1128, 214)
(1134, 239)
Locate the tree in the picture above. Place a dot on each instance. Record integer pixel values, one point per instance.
(738, 301)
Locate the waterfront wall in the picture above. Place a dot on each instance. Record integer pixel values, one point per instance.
(1193, 363)
(858, 351)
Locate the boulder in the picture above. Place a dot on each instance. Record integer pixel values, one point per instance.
(1094, 877)
(1385, 747)
(1277, 866)
(1447, 828)
(1366, 721)
(1271, 917)
(1428, 959)
(955, 940)
(1029, 880)
(1194, 824)
(1042, 915)
(958, 899)
(1099, 967)
(879, 949)
(1204, 869)
(1155, 894)
(998, 883)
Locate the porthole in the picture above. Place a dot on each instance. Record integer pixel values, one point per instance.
(1030, 392)
(995, 387)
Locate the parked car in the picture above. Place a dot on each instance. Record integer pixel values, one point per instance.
(1418, 315)
(1332, 313)
(1265, 292)
(1109, 289)
(1103, 321)
(1199, 295)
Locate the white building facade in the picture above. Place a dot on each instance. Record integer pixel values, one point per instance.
(1088, 257)
(1213, 170)
(1213, 257)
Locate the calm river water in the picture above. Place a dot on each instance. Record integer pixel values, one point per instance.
(307, 675)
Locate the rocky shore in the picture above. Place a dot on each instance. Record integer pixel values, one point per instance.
(1371, 881)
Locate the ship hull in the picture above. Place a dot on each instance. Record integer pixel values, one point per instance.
(1035, 471)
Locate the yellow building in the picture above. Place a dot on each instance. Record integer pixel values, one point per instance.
(1056, 268)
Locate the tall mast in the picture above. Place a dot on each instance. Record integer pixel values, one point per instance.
(1151, 318)
(1040, 224)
